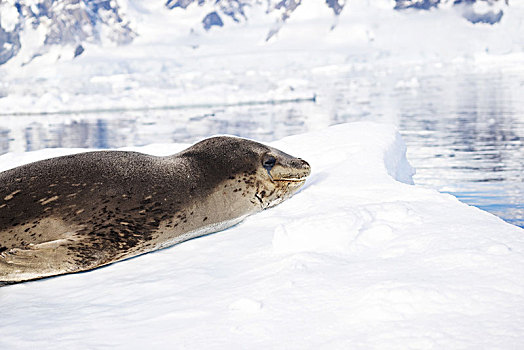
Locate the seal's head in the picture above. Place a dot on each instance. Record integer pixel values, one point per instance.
(263, 174)
(281, 176)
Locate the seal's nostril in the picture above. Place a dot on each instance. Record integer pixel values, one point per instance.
(303, 167)
(305, 164)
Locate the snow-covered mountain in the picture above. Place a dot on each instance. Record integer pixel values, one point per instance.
(60, 22)
(235, 9)
(475, 11)
(38, 25)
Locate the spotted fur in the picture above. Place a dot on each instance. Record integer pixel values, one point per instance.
(82, 211)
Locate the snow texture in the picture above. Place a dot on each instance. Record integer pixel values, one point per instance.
(358, 259)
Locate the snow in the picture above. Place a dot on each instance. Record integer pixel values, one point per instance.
(8, 16)
(359, 258)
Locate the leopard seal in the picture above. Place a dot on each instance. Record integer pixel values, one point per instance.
(79, 212)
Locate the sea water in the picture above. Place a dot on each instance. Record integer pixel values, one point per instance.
(463, 125)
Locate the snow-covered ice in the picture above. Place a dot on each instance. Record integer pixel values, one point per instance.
(359, 259)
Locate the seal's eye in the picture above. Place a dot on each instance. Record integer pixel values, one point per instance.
(269, 163)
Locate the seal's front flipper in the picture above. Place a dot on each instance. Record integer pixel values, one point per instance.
(35, 261)
(18, 256)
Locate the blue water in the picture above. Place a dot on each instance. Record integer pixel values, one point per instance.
(464, 128)
(468, 140)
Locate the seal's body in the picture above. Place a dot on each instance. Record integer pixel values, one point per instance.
(79, 212)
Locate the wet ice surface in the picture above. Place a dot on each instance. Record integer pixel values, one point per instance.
(463, 122)
(359, 258)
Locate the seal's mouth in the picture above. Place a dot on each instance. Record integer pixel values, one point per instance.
(303, 179)
(290, 179)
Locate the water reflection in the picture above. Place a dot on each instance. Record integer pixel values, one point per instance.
(28, 133)
(464, 129)
(472, 148)
(4, 140)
